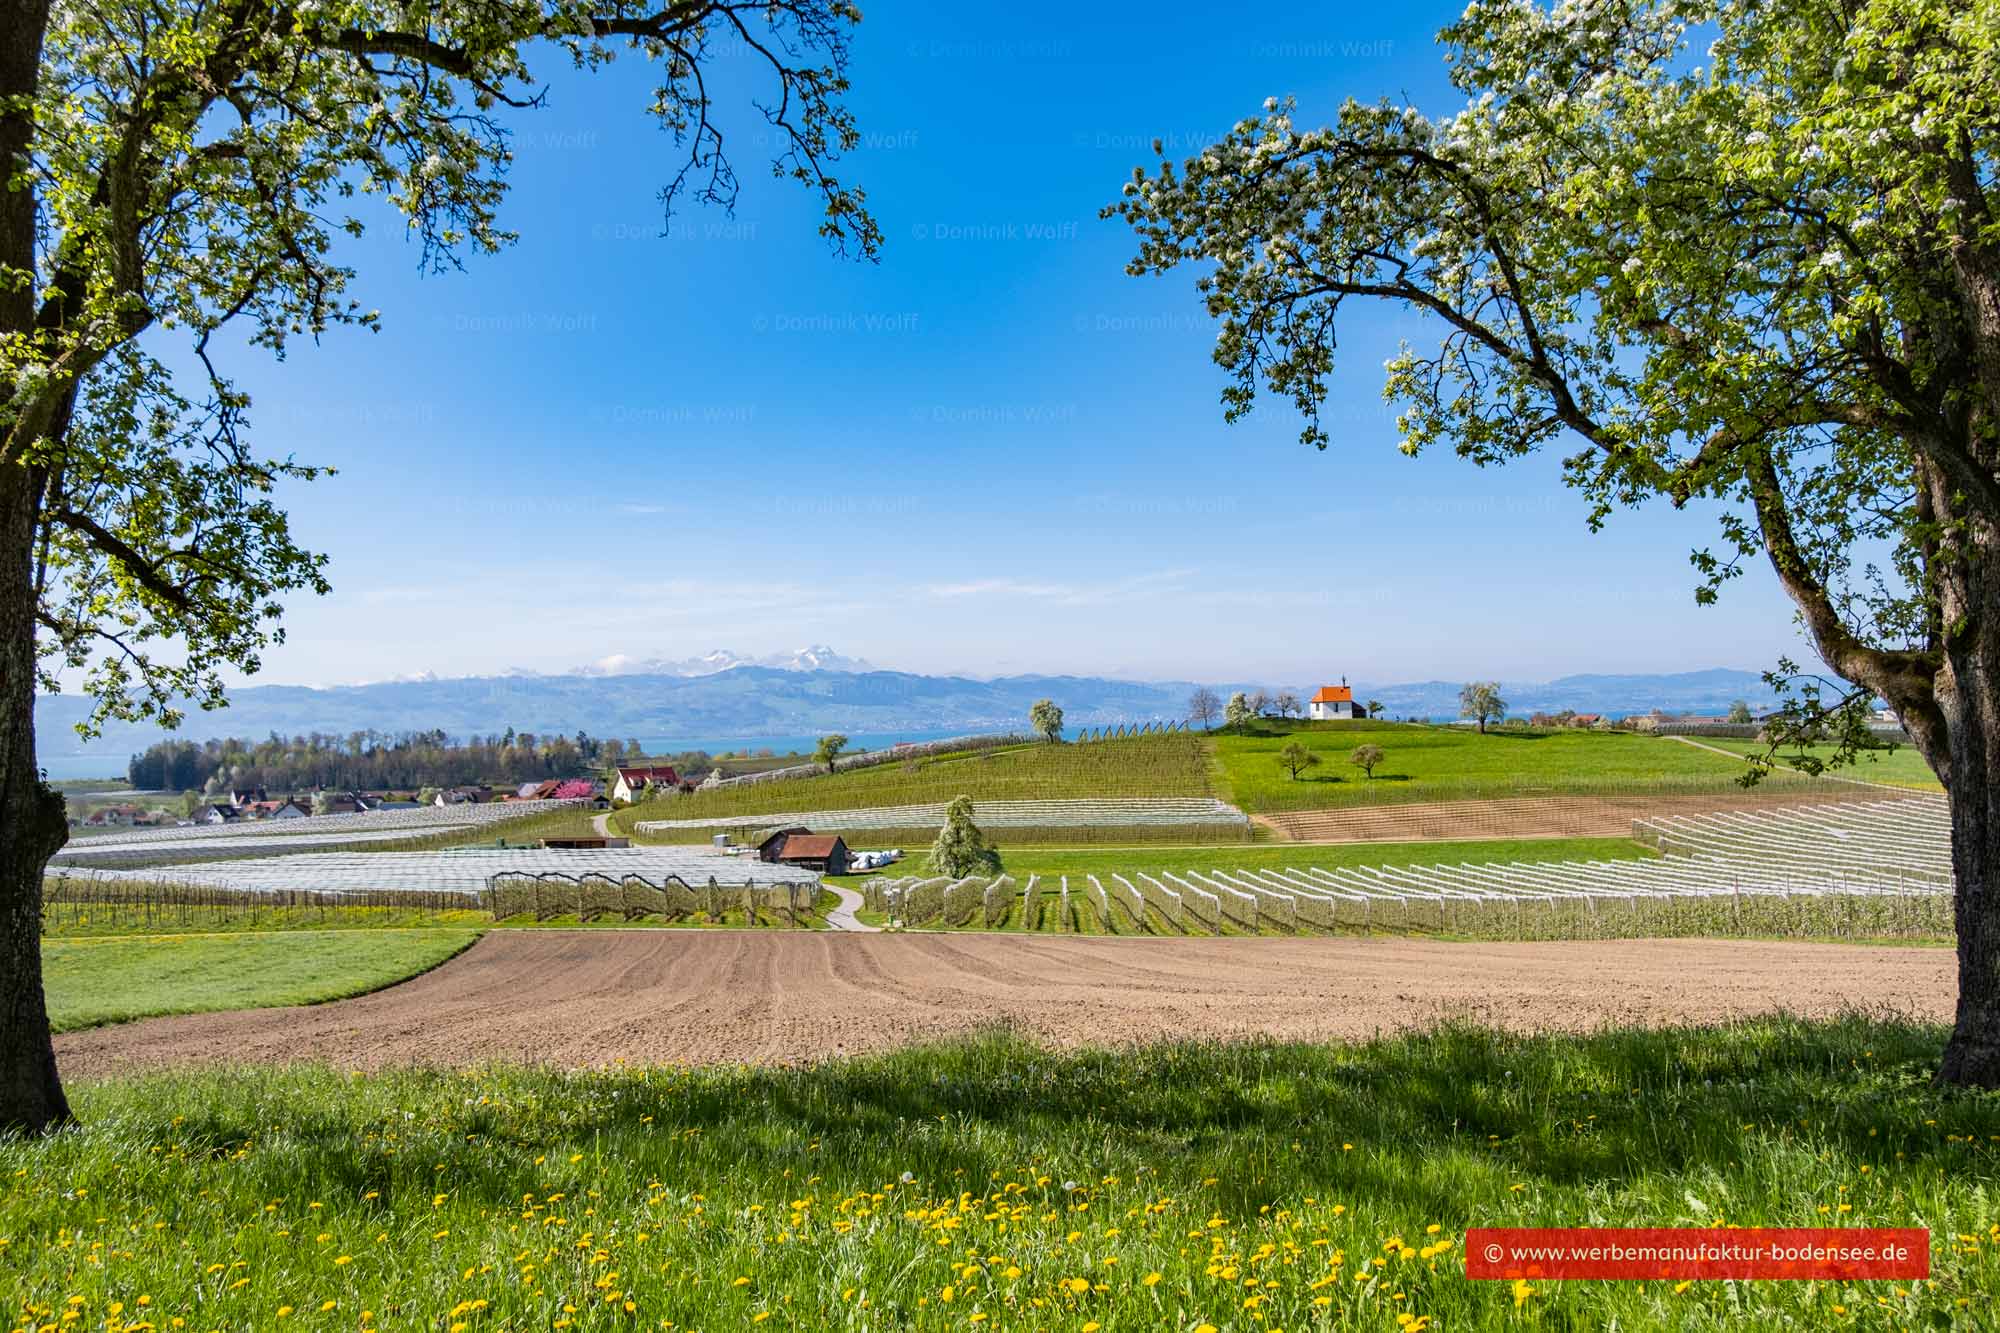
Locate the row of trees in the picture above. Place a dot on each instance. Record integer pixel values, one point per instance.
(365, 759)
(1245, 706)
(1296, 758)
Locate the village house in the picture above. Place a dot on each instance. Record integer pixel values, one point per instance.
(219, 814)
(627, 784)
(463, 796)
(1330, 702)
(275, 810)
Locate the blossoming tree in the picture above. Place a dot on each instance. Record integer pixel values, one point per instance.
(1763, 272)
(177, 168)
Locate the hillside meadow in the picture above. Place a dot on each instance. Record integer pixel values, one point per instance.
(1898, 766)
(1167, 764)
(1439, 763)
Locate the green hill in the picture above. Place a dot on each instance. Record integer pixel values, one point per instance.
(1434, 763)
(1898, 767)
(1165, 764)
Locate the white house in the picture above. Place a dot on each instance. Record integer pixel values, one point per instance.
(629, 784)
(1330, 702)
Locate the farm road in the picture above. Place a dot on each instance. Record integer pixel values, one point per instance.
(582, 998)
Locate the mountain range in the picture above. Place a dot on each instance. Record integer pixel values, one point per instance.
(815, 690)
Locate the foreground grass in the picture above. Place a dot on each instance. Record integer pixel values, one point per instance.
(996, 1184)
(1428, 763)
(93, 981)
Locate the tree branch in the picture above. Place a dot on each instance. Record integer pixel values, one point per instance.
(141, 569)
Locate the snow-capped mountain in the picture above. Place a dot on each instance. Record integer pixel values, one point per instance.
(819, 657)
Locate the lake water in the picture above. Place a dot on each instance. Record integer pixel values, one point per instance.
(799, 745)
(67, 760)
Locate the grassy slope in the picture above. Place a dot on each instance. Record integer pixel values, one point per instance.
(1900, 767)
(1425, 763)
(92, 981)
(1164, 765)
(858, 1194)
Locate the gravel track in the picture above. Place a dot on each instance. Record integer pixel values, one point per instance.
(583, 998)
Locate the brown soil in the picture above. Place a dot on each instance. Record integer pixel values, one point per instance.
(580, 998)
(1528, 816)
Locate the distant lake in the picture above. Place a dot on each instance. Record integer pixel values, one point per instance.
(67, 759)
(799, 745)
(74, 761)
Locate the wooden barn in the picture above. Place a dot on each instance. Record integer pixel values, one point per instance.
(824, 852)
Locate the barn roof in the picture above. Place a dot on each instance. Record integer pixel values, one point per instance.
(812, 845)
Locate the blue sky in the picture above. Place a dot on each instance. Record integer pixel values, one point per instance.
(993, 452)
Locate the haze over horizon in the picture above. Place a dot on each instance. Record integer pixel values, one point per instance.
(993, 453)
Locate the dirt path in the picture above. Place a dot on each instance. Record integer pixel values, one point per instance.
(580, 998)
(842, 917)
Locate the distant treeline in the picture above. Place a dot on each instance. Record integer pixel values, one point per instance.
(369, 760)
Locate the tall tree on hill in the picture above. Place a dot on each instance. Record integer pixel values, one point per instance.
(181, 168)
(1764, 276)
(1204, 707)
(829, 749)
(961, 848)
(1047, 719)
(1739, 712)
(1287, 703)
(1480, 700)
(1237, 714)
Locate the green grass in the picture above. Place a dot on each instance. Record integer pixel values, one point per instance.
(1429, 763)
(1168, 764)
(914, 1190)
(93, 981)
(1900, 767)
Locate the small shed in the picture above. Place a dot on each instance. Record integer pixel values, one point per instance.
(774, 844)
(824, 852)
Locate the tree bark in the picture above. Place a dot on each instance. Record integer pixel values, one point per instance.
(32, 823)
(32, 829)
(1968, 692)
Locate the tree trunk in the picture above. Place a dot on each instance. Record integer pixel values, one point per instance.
(1968, 691)
(32, 829)
(32, 824)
